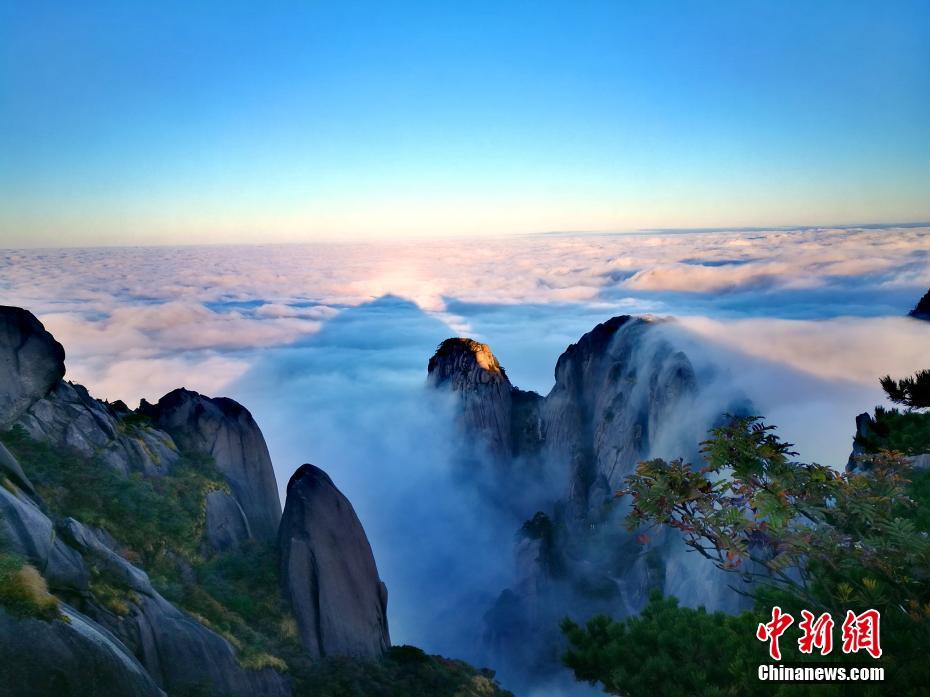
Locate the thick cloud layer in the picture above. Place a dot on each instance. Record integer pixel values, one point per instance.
(328, 344)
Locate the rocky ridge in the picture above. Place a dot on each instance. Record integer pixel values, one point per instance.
(114, 631)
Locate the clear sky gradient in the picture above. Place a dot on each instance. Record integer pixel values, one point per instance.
(126, 122)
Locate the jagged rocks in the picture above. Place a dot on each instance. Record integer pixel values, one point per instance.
(31, 362)
(226, 431)
(328, 572)
(70, 418)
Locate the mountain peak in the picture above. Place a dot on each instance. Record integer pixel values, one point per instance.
(461, 351)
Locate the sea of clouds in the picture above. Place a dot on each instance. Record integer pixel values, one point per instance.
(327, 345)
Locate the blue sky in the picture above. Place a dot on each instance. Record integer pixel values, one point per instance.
(227, 122)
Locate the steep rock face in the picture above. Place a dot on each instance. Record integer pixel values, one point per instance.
(614, 390)
(485, 395)
(623, 392)
(31, 362)
(328, 571)
(226, 525)
(922, 309)
(226, 431)
(77, 658)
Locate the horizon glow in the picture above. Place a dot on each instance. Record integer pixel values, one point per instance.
(231, 123)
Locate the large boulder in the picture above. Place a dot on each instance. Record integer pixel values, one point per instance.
(328, 571)
(73, 658)
(226, 431)
(31, 362)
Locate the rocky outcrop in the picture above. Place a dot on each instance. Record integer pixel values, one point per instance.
(922, 309)
(73, 658)
(615, 390)
(485, 396)
(623, 393)
(27, 530)
(31, 362)
(328, 571)
(182, 655)
(70, 418)
(225, 430)
(122, 636)
(867, 441)
(177, 652)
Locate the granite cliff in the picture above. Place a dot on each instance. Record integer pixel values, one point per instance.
(622, 393)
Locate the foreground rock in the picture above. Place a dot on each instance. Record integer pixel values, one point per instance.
(119, 635)
(328, 572)
(73, 658)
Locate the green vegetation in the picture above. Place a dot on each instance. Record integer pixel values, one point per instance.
(158, 521)
(666, 650)
(149, 515)
(23, 591)
(912, 392)
(405, 671)
(803, 536)
(907, 432)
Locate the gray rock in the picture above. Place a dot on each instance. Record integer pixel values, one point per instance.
(485, 396)
(77, 658)
(90, 544)
(328, 572)
(226, 431)
(623, 393)
(31, 533)
(31, 362)
(226, 525)
(13, 472)
(70, 418)
(615, 390)
(183, 656)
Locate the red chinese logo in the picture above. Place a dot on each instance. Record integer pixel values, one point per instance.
(817, 633)
(771, 631)
(860, 632)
